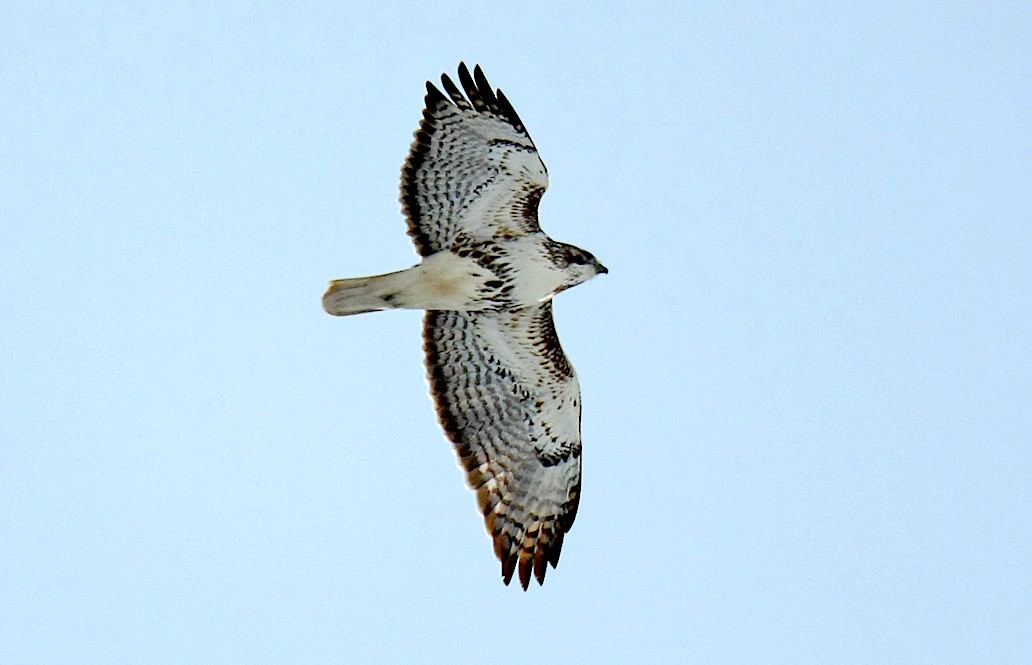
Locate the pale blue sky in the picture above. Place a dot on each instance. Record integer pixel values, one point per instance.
(806, 378)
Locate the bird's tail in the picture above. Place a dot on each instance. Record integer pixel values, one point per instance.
(366, 294)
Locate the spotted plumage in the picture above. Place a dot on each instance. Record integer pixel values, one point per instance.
(505, 393)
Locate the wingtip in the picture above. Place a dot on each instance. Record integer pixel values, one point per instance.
(508, 568)
(556, 550)
(525, 566)
(540, 566)
(434, 96)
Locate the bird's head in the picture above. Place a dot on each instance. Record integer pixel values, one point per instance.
(579, 264)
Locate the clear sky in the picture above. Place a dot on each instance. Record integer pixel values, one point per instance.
(807, 377)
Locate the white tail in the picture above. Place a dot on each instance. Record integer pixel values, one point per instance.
(366, 294)
(441, 281)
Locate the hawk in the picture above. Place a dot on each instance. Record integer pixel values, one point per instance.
(505, 393)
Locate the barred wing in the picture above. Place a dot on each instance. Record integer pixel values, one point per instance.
(472, 168)
(509, 400)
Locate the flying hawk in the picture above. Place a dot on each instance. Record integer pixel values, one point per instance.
(505, 393)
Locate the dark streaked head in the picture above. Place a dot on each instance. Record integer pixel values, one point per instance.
(578, 264)
(575, 256)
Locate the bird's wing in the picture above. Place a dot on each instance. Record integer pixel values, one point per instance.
(509, 400)
(472, 168)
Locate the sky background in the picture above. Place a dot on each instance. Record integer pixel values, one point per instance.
(806, 378)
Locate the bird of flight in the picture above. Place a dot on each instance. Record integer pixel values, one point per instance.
(505, 393)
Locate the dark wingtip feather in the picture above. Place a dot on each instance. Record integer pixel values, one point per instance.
(470, 86)
(454, 92)
(557, 548)
(433, 96)
(540, 566)
(525, 565)
(508, 568)
(486, 93)
(473, 93)
(510, 113)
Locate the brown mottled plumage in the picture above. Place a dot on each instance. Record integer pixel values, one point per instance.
(505, 393)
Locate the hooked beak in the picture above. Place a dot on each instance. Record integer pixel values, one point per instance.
(602, 270)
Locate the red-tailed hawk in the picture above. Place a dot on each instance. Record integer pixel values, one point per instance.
(505, 392)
